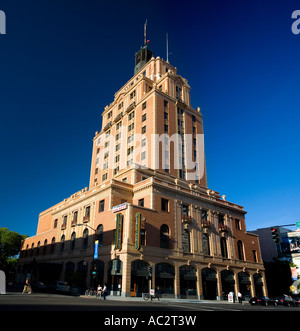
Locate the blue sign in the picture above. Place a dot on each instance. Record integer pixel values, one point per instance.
(96, 249)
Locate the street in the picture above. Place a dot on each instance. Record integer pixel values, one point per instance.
(55, 302)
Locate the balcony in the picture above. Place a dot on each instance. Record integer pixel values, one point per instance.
(205, 223)
(223, 228)
(86, 218)
(186, 219)
(74, 222)
(131, 106)
(64, 226)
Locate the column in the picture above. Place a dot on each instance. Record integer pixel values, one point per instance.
(126, 276)
(252, 285)
(199, 284)
(177, 283)
(219, 286)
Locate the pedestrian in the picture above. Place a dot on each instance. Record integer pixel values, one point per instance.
(27, 287)
(240, 297)
(99, 290)
(104, 290)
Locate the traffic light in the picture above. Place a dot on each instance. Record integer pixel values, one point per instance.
(275, 235)
(150, 270)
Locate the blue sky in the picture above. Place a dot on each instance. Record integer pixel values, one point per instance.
(62, 61)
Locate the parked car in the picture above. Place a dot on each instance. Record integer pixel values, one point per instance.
(286, 301)
(38, 287)
(59, 287)
(264, 301)
(296, 301)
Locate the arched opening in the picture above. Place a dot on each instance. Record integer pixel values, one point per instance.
(209, 283)
(228, 283)
(164, 279)
(139, 278)
(244, 283)
(188, 282)
(114, 276)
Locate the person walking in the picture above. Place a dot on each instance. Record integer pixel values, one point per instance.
(27, 287)
(104, 290)
(240, 297)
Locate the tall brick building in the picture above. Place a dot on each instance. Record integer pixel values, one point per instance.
(148, 204)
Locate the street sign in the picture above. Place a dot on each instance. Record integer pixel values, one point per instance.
(298, 224)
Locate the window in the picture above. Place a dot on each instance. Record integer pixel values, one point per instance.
(164, 204)
(104, 176)
(143, 155)
(254, 255)
(224, 251)
(164, 236)
(185, 210)
(166, 115)
(52, 249)
(166, 104)
(166, 128)
(141, 202)
(85, 238)
(62, 243)
(186, 241)
(101, 205)
(237, 224)
(205, 244)
(99, 235)
(45, 246)
(55, 223)
(132, 94)
(144, 117)
(144, 105)
(73, 239)
(144, 129)
(87, 211)
(240, 250)
(144, 141)
(75, 216)
(204, 215)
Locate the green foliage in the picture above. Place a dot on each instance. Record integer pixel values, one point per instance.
(10, 246)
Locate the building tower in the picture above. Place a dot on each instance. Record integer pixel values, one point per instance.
(148, 206)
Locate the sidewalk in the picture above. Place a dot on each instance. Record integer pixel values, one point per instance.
(137, 299)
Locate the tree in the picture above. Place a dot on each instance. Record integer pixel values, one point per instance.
(10, 246)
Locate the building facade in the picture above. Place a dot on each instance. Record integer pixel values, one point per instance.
(148, 218)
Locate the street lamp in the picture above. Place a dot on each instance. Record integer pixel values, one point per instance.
(80, 224)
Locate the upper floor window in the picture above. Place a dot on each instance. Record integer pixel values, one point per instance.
(164, 236)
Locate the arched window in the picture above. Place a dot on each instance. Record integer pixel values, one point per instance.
(38, 248)
(73, 240)
(62, 243)
(45, 246)
(224, 251)
(240, 250)
(85, 238)
(52, 250)
(99, 235)
(205, 244)
(164, 236)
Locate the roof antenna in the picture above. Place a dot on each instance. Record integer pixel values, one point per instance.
(145, 33)
(167, 42)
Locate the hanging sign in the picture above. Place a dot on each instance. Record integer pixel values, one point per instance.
(137, 231)
(119, 228)
(96, 249)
